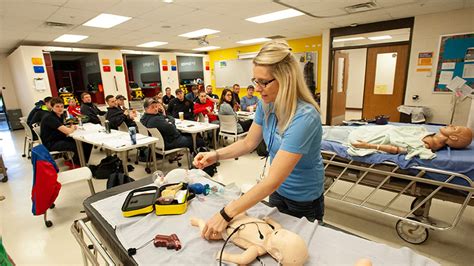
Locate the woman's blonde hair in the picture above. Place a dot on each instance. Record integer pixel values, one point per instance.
(286, 70)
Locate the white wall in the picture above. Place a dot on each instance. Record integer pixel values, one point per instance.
(169, 78)
(108, 81)
(207, 73)
(22, 74)
(426, 36)
(9, 95)
(356, 79)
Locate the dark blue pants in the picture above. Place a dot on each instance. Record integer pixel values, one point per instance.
(69, 144)
(312, 210)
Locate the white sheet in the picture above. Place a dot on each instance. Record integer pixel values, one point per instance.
(326, 246)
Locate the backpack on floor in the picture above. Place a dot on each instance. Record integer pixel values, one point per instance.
(106, 167)
(262, 149)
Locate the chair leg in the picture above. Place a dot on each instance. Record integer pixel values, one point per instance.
(30, 145)
(24, 147)
(91, 186)
(47, 222)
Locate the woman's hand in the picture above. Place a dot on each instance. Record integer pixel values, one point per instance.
(214, 227)
(204, 159)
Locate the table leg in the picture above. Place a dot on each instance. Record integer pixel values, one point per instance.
(153, 156)
(194, 140)
(214, 138)
(123, 156)
(80, 152)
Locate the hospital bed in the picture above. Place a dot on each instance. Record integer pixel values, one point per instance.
(102, 242)
(359, 181)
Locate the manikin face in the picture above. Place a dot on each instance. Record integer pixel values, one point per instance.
(112, 102)
(180, 96)
(265, 83)
(58, 109)
(87, 98)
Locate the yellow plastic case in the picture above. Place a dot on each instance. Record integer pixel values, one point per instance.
(144, 200)
(174, 207)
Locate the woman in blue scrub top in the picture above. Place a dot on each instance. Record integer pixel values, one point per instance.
(289, 122)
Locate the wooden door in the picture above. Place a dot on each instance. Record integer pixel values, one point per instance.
(385, 80)
(339, 88)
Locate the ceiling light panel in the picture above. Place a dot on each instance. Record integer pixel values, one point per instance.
(70, 38)
(256, 40)
(152, 44)
(106, 21)
(199, 33)
(279, 15)
(349, 39)
(206, 48)
(378, 38)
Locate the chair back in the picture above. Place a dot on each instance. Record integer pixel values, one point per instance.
(28, 132)
(200, 117)
(102, 120)
(228, 124)
(142, 129)
(123, 127)
(37, 130)
(156, 134)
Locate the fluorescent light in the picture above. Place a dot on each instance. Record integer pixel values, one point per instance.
(168, 1)
(378, 38)
(256, 40)
(106, 21)
(70, 38)
(284, 14)
(206, 48)
(349, 39)
(198, 33)
(152, 44)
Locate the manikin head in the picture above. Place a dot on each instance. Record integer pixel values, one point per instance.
(286, 247)
(457, 137)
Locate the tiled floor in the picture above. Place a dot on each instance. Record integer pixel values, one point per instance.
(30, 242)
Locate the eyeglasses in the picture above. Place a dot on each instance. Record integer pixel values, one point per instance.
(261, 83)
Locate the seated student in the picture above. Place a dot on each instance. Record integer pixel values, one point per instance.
(73, 109)
(192, 96)
(205, 107)
(154, 118)
(211, 96)
(117, 116)
(168, 97)
(40, 105)
(249, 102)
(90, 109)
(235, 94)
(54, 133)
(120, 99)
(181, 104)
(225, 108)
(40, 113)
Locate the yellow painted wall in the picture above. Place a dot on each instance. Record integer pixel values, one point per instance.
(311, 44)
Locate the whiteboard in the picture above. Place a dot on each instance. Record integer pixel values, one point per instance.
(229, 72)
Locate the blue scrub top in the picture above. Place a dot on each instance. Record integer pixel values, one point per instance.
(302, 136)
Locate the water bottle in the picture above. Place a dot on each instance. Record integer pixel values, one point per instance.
(107, 126)
(80, 121)
(133, 134)
(206, 119)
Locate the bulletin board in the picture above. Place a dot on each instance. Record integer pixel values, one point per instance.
(456, 59)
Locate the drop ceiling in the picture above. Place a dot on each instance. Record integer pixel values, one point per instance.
(22, 22)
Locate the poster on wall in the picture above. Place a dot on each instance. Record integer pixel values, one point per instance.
(455, 60)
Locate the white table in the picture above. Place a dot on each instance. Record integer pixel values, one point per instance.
(115, 141)
(193, 127)
(246, 115)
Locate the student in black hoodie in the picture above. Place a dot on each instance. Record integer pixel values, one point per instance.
(42, 108)
(117, 116)
(90, 109)
(181, 104)
(154, 118)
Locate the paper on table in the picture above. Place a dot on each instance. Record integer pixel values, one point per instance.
(448, 65)
(455, 83)
(445, 77)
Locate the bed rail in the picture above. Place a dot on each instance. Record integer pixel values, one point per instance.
(413, 224)
(90, 252)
